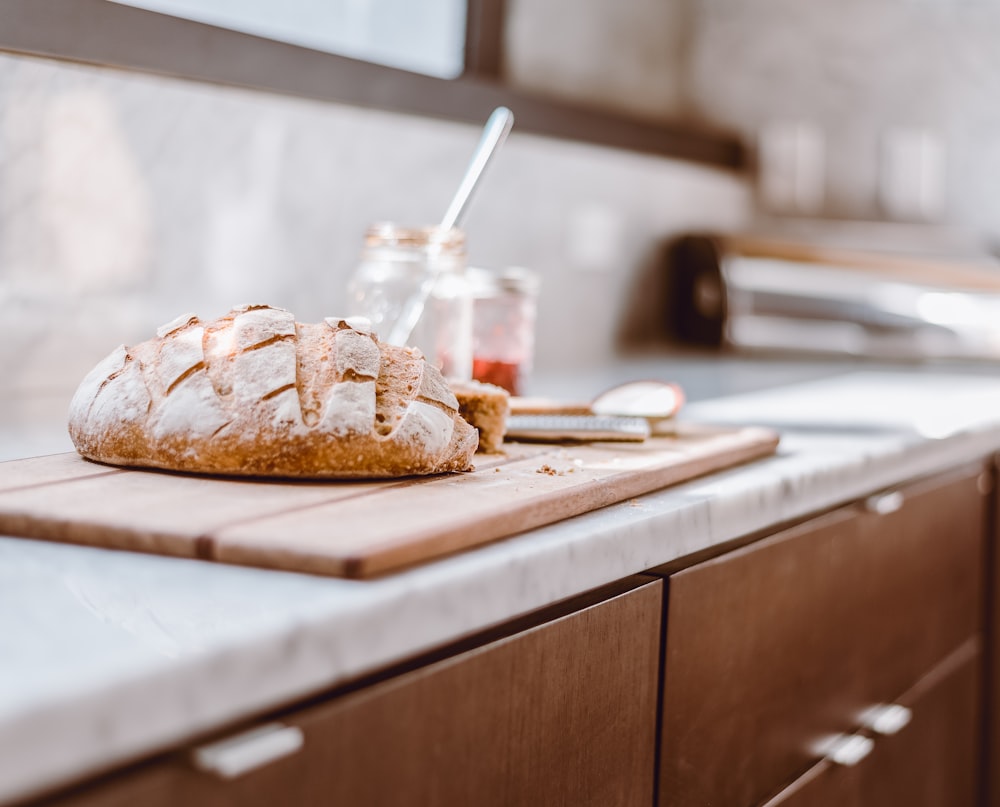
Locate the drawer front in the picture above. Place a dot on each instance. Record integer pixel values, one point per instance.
(748, 679)
(565, 714)
(778, 645)
(991, 707)
(826, 784)
(561, 714)
(932, 761)
(150, 785)
(918, 587)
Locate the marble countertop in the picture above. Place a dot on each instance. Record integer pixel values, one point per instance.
(108, 656)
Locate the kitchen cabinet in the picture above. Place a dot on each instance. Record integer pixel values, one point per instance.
(563, 713)
(775, 649)
(991, 707)
(759, 664)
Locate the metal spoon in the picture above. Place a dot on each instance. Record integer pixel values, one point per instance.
(498, 126)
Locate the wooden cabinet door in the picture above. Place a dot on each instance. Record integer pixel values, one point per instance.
(560, 714)
(774, 647)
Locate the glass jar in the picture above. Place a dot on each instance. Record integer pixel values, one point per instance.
(408, 274)
(503, 315)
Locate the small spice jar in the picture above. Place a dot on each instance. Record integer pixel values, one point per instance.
(503, 315)
(401, 266)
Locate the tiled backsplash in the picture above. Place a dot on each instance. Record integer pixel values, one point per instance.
(862, 74)
(126, 199)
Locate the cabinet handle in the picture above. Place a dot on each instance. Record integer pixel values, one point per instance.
(886, 718)
(884, 503)
(984, 484)
(241, 753)
(850, 749)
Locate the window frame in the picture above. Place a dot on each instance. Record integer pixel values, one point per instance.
(98, 32)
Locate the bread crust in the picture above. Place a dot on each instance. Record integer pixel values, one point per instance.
(254, 393)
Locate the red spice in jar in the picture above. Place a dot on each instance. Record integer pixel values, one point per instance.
(504, 374)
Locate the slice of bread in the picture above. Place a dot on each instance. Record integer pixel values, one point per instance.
(485, 406)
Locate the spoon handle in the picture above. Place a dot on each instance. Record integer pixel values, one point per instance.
(498, 126)
(495, 132)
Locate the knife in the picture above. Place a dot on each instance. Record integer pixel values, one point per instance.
(558, 428)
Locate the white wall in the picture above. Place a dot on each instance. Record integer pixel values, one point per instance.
(628, 55)
(857, 70)
(127, 199)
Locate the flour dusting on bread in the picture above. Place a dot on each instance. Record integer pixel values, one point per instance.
(256, 393)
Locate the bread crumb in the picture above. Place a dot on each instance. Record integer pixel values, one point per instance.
(547, 469)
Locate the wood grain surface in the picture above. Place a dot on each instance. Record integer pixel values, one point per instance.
(351, 529)
(559, 715)
(788, 640)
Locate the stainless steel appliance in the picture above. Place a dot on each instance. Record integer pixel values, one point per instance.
(757, 294)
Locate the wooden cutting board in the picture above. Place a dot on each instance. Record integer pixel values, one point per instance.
(351, 529)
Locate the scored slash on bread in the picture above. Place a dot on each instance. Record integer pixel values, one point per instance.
(255, 393)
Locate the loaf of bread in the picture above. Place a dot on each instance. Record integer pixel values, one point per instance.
(255, 393)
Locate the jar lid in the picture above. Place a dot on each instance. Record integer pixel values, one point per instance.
(510, 280)
(387, 233)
